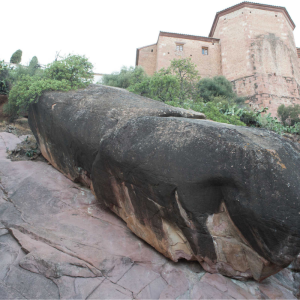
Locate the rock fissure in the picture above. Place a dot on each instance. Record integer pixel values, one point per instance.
(50, 244)
(94, 290)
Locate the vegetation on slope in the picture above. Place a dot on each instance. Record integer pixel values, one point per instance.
(180, 85)
(25, 84)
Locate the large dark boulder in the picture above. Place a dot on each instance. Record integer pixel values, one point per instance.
(224, 195)
(69, 126)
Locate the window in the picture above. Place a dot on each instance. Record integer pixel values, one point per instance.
(204, 50)
(179, 47)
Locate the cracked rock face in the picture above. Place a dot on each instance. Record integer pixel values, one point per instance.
(57, 242)
(223, 195)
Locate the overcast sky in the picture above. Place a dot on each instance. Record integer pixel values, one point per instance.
(106, 31)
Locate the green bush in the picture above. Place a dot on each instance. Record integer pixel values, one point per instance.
(212, 110)
(4, 78)
(187, 76)
(16, 57)
(218, 86)
(75, 69)
(72, 72)
(124, 78)
(176, 82)
(19, 71)
(34, 66)
(29, 88)
(283, 113)
(290, 112)
(161, 86)
(34, 63)
(179, 86)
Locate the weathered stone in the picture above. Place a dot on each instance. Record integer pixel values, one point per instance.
(178, 284)
(223, 195)
(109, 290)
(153, 290)
(50, 262)
(59, 116)
(295, 265)
(91, 235)
(22, 281)
(203, 190)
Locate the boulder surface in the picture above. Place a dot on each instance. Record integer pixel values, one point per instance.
(90, 115)
(223, 195)
(58, 242)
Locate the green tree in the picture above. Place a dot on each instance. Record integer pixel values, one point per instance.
(218, 86)
(34, 66)
(185, 70)
(294, 114)
(124, 78)
(75, 69)
(291, 112)
(161, 86)
(34, 63)
(16, 57)
(283, 113)
(29, 88)
(72, 72)
(4, 78)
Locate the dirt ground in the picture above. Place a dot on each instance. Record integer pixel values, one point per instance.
(26, 150)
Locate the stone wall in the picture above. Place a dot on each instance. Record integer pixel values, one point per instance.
(251, 44)
(258, 54)
(207, 65)
(146, 57)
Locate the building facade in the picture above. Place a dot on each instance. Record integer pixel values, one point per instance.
(251, 44)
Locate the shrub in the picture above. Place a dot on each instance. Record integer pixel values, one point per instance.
(215, 97)
(72, 72)
(29, 88)
(34, 66)
(34, 63)
(19, 71)
(218, 86)
(294, 114)
(283, 113)
(187, 75)
(124, 78)
(74, 69)
(16, 57)
(290, 112)
(161, 86)
(4, 78)
(212, 111)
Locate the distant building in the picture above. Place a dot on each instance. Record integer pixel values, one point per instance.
(251, 44)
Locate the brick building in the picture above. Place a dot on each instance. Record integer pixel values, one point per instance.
(251, 44)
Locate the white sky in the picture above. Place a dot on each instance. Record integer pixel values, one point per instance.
(106, 31)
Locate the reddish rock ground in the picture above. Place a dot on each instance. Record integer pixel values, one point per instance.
(57, 242)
